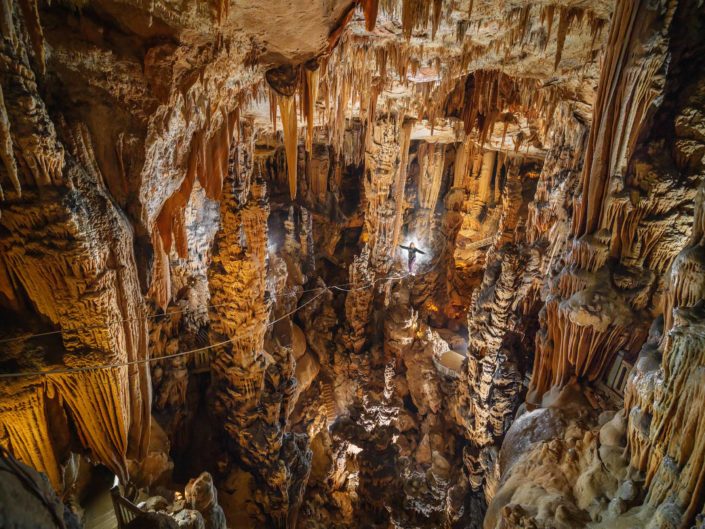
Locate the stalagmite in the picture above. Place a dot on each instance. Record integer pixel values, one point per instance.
(6, 153)
(382, 156)
(400, 180)
(433, 163)
(359, 304)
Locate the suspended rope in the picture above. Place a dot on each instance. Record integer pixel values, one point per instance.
(134, 318)
(322, 290)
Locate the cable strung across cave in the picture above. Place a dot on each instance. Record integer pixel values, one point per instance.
(322, 290)
(205, 307)
(126, 320)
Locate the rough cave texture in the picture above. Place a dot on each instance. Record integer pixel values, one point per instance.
(204, 210)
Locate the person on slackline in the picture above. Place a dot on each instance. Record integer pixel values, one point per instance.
(412, 250)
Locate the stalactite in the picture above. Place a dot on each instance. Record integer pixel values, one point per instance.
(547, 14)
(370, 8)
(273, 108)
(102, 324)
(30, 13)
(24, 423)
(222, 10)
(337, 31)
(437, 9)
(563, 26)
(309, 103)
(287, 109)
(623, 99)
(414, 13)
(207, 163)
(100, 413)
(580, 342)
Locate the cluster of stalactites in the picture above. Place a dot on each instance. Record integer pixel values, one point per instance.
(286, 83)
(351, 78)
(520, 34)
(488, 97)
(636, 55)
(207, 163)
(108, 409)
(356, 70)
(414, 14)
(592, 311)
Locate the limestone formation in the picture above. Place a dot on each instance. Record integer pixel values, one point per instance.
(206, 218)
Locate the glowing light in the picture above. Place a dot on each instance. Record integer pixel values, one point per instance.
(421, 244)
(353, 449)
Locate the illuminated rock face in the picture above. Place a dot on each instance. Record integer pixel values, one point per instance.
(201, 211)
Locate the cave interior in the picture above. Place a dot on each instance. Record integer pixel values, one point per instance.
(336, 264)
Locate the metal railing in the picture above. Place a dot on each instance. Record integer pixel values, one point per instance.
(125, 510)
(480, 244)
(616, 377)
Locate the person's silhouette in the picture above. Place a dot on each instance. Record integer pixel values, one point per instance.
(412, 250)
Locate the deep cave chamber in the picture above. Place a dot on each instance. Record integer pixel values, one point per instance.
(207, 318)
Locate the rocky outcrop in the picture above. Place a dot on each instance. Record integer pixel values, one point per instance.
(587, 320)
(615, 281)
(28, 499)
(68, 256)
